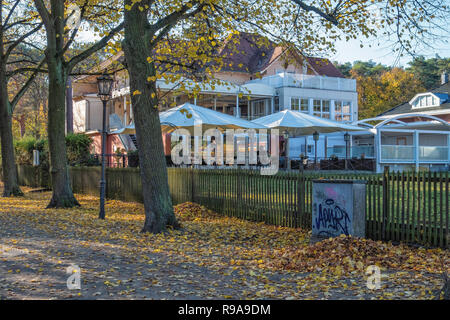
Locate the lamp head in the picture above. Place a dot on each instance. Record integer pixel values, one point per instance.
(346, 137)
(105, 83)
(316, 136)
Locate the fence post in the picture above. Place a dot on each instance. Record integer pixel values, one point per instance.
(192, 185)
(385, 201)
(300, 197)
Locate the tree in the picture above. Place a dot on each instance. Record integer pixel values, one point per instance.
(379, 93)
(156, 47)
(31, 112)
(165, 40)
(60, 37)
(14, 31)
(429, 71)
(406, 26)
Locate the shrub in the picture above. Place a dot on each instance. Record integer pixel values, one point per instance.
(78, 152)
(24, 151)
(133, 158)
(78, 145)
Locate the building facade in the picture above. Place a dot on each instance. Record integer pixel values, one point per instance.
(414, 135)
(257, 80)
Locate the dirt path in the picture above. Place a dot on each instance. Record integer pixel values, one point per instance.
(117, 262)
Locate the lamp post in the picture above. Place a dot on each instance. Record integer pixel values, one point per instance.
(316, 138)
(346, 139)
(286, 149)
(105, 83)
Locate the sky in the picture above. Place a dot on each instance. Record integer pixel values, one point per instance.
(350, 51)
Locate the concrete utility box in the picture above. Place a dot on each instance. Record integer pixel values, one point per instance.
(339, 207)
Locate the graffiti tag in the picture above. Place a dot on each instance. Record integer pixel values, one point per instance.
(332, 217)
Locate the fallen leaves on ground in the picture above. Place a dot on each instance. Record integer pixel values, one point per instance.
(347, 254)
(263, 261)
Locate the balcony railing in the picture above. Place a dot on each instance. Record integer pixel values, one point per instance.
(433, 153)
(355, 151)
(406, 153)
(397, 153)
(308, 81)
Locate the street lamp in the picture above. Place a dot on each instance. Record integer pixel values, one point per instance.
(286, 149)
(315, 138)
(346, 139)
(105, 83)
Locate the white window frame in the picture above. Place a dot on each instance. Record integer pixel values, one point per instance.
(425, 100)
(339, 105)
(321, 113)
(299, 101)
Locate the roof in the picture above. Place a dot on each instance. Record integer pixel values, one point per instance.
(442, 92)
(324, 67)
(253, 53)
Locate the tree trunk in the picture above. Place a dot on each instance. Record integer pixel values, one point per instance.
(22, 119)
(69, 106)
(157, 201)
(62, 196)
(10, 183)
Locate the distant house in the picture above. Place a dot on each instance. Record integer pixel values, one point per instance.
(434, 103)
(412, 135)
(260, 79)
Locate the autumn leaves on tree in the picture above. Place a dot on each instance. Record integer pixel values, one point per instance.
(176, 41)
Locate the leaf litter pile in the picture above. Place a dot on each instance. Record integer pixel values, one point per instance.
(211, 256)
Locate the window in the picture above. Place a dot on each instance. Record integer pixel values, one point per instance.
(321, 108)
(259, 108)
(425, 101)
(304, 105)
(343, 110)
(325, 106)
(317, 105)
(295, 104)
(299, 104)
(276, 102)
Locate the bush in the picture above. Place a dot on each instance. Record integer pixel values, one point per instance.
(77, 151)
(24, 151)
(133, 158)
(78, 145)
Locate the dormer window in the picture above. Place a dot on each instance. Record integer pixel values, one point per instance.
(427, 100)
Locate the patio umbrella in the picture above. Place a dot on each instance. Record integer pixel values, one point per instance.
(302, 124)
(125, 130)
(188, 116)
(130, 129)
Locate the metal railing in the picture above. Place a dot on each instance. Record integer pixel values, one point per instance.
(397, 153)
(433, 153)
(406, 153)
(354, 152)
(308, 81)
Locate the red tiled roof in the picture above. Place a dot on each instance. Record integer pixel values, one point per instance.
(324, 67)
(253, 53)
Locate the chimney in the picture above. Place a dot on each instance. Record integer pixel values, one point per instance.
(444, 77)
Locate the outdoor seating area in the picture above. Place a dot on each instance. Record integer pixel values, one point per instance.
(196, 120)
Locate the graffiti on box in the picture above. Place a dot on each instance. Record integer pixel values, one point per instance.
(330, 215)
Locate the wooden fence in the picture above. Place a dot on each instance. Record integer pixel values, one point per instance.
(410, 206)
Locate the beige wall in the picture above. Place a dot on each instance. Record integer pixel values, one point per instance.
(234, 77)
(279, 65)
(81, 88)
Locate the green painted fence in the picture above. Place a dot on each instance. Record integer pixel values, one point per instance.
(410, 207)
